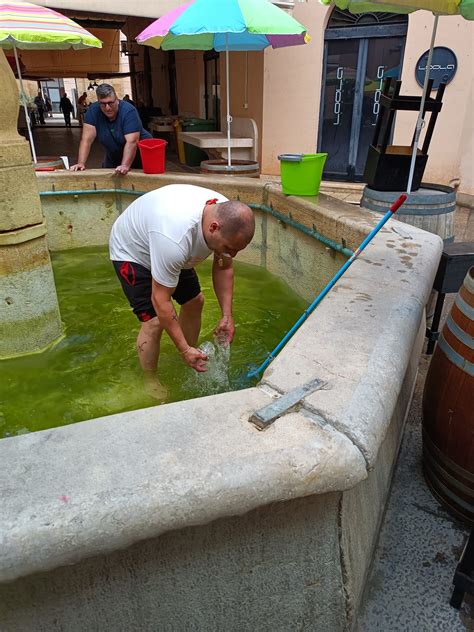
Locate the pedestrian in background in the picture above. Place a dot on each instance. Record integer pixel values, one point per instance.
(82, 105)
(40, 106)
(48, 106)
(129, 100)
(66, 108)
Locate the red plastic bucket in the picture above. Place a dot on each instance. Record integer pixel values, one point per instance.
(152, 151)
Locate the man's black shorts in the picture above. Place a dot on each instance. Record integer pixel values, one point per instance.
(136, 284)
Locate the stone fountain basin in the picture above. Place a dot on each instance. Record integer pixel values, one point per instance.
(163, 479)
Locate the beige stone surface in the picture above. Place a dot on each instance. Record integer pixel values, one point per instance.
(198, 460)
(274, 569)
(19, 203)
(15, 237)
(29, 312)
(19, 209)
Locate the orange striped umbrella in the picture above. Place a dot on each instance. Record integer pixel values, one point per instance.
(26, 25)
(29, 26)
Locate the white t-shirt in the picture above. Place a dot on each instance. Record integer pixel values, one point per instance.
(162, 231)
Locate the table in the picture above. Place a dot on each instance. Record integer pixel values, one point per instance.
(159, 126)
(214, 140)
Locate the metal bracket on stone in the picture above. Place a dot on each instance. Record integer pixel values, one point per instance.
(268, 414)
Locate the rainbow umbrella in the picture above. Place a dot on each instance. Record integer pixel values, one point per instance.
(29, 26)
(224, 25)
(437, 7)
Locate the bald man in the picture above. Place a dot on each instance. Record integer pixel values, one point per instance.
(154, 246)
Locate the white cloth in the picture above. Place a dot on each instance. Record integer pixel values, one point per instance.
(162, 231)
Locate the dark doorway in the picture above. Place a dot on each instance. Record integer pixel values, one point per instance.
(212, 91)
(359, 52)
(172, 82)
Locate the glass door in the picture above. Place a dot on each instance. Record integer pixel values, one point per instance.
(338, 104)
(383, 59)
(359, 52)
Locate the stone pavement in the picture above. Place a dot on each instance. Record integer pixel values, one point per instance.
(419, 546)
(420, 542)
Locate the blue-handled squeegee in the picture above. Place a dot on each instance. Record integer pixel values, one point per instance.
(271, 356)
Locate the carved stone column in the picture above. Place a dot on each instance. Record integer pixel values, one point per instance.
(29, 311)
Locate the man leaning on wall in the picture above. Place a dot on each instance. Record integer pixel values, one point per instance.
(118, 128)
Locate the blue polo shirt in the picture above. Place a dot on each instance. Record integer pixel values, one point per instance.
(111, 134)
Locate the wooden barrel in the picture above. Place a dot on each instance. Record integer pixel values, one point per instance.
(431, 208)
(448, 409)
(248, 168)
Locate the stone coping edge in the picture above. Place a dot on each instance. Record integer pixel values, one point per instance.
(98, 486)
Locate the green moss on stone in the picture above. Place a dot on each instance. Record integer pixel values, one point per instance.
(29, 336)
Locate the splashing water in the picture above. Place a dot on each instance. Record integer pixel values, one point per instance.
(216, 378)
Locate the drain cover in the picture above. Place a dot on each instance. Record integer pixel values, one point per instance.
(266, 416)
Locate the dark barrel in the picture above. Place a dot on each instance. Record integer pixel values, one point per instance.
(448, 409)
(248, 168)
(431, 208)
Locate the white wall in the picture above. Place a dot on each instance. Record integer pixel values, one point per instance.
(292, 93)
(450, 152)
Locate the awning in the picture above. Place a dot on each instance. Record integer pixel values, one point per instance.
(144, 8)
(74, 63)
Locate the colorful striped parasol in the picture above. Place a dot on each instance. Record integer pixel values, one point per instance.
(224, 25)
(29, 26)
(439, 7)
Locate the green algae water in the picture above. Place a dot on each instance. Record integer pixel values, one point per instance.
(94, 370)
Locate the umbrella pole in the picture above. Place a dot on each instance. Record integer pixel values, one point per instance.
(23, 98)
(420, 121)
(229, 117)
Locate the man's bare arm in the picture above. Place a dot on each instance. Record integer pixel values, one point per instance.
(223, 282)
(164, 308)
(129, 152)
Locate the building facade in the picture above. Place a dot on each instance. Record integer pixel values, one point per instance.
(320, 97)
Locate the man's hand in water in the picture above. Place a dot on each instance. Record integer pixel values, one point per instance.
(195, 358)
(225, 330)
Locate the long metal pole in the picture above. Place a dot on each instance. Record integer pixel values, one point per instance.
(420, 119)
(227, 88)
(23, 98)
(271, 356)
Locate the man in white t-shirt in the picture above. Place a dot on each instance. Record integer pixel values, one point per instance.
(154, 246)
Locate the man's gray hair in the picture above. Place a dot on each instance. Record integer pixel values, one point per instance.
(104, 91)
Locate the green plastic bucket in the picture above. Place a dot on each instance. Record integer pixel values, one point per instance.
(301, 173)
